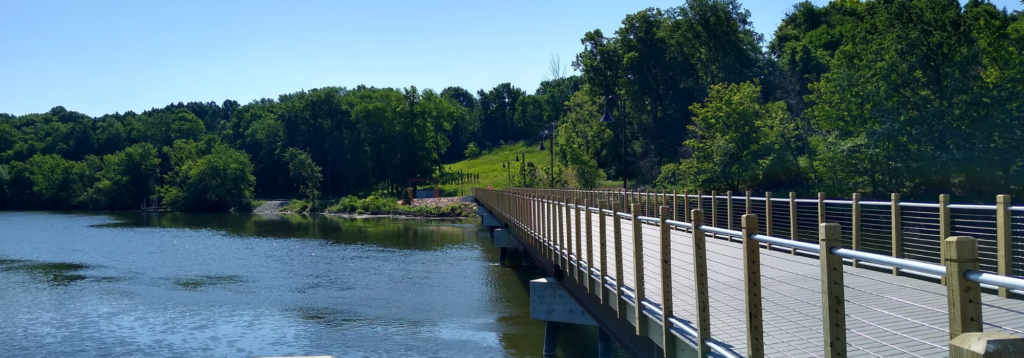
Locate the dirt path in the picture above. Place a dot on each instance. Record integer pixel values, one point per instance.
(438, 202)
(270, 207)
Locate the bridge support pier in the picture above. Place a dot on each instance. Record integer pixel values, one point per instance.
(604, 344)
(550, 338)
(504, 241)
(551, 303)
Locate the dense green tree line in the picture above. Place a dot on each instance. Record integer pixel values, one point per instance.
(209, 156)
(912, 96)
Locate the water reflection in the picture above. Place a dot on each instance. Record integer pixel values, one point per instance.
(417, 234)
(168, 284)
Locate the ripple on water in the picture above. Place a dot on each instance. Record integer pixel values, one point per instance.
(54, 273)
(194, 283)
(159, 284)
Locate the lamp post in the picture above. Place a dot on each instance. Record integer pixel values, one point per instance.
(550, 135)
(607, 118)
(522, 169)
(508, 164)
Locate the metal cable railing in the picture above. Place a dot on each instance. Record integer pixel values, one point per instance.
(920, 224)
(885, 318)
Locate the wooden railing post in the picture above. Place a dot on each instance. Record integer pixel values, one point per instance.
(646, 200)
(620, 281)
(537, 219)
(748, 203)
(675, 206)
(557, 240)
(638, 273)
(944, 229)
(792, 220)
(833, 300)
(986, 345)
(664, 198)
(821, 208)
(1003, 255)
(963, 296)
(590, 246)
(542, 224)
(700, 284)
(686, 205)
(579, 243)
(714, 211)
(855, 226)
(567, 235)
(752, 287)
(728, 209)
(667, 338)
(550, 226)
(603, 249)
(700, 200)
(897, 231)
(768, 215)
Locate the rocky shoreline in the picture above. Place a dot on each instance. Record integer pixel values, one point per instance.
(279, 207)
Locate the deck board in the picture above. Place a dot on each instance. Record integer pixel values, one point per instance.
(886, 315)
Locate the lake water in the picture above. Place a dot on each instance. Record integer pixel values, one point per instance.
(225, 285)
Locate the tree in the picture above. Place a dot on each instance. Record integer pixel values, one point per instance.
(127, 179)
(305, 173)
(220, 181)
(163, 127)
(497, 114)
(739, 143)
(471, 150)
(582, 139)
(49, 182)
(659, 63)
(5, 180)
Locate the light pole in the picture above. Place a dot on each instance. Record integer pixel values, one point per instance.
(607, 118)
(508, 164)
(522, 169)
(550, 134)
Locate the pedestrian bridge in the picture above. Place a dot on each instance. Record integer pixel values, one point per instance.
(664, 284)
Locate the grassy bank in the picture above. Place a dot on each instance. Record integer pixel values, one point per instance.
(488, 165)
(375, 205)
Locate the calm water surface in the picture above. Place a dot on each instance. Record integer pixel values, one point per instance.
(223, 285)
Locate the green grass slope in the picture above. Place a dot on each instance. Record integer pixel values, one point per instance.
(488, 165)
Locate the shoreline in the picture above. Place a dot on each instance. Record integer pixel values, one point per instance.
(368, 216)
(280, 207)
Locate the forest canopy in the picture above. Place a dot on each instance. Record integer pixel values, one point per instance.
(918, 97)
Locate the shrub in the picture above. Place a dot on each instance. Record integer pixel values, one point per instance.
(471, 150)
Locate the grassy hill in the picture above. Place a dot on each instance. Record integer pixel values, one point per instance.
(488, 165)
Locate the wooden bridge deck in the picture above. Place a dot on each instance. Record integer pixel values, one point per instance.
(887, 315)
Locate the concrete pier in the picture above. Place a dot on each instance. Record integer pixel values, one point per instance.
(550, 338)
(550, 302)
(604, 344)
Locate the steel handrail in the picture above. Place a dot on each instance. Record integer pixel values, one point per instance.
(920, 205)
(984, 278)
(969, 206)
(785, 243)
(995, 280)
(932, 269)
(648, 219)
(679, 224)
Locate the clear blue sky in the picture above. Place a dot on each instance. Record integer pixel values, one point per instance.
(99, 57)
